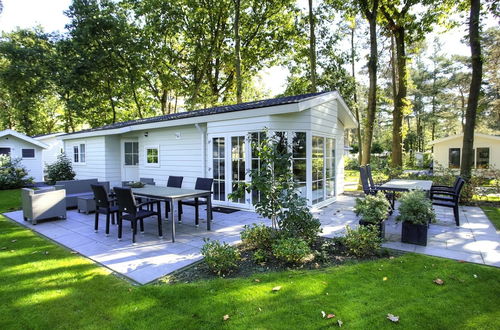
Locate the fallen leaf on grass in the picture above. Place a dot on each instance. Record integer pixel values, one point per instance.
(46, 252)
(260, 309)
(475, 276)
(225, 317)
(385, 278)
(257, 280)
(4, 248)
(438, 281)
(74, 252)
(277, 288)
(323, 314)
(324, 282)
(339, 322)
(330, 316)
(392, 318)
(14, 240)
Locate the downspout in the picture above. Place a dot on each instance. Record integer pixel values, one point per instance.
(203, 149)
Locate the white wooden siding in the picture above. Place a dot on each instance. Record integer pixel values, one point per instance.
(95, 158)
(34, 166)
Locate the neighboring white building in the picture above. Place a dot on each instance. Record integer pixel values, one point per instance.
(447, 152)
(55, 147)
(215, 142)
(18, 145)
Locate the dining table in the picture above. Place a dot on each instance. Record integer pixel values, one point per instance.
(402, 185)
(172, 195)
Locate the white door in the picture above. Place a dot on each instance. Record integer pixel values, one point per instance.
(130, 160)
(228, 167)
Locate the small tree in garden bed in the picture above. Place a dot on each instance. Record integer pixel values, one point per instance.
(13, 174)
(60, 170)
(280, 199)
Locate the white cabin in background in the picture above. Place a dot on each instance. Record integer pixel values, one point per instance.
(55, 147)
(216, 143)
(29, 150)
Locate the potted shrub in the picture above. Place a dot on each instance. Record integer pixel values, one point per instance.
(415, 211)
(373, 210)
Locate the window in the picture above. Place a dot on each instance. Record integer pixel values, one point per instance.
(256, 140)
(318, 165)
(238, 164)
(219, 164)
(131, 153)
(299, 159)
(79, 153)
(28, 153)
(152, 156)
(482, 157)
(454, 158)
(5, 151)
(330, 167)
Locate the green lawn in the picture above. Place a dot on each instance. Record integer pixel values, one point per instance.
(493, 213)
(44, 286)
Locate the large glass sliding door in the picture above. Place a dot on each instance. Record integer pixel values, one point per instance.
(318, 167)
(238, 165)
(330, 167)
(219, 168)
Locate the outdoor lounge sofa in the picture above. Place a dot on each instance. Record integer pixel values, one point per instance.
(43, 204)
(78, 188)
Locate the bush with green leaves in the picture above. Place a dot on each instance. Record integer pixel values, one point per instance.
(258, 236)
(260, 256)
(351, 163)
(13, 174)
(221, 258)
(292, 250)
(60, 170)
(373, 208)
(415, 208)
(363, 242)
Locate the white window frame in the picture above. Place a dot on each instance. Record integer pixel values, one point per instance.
(79, 152)
(124, 153)
(34, 153)
(146, 148)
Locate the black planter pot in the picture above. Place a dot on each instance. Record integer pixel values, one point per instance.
(381, 227)
(414, 234)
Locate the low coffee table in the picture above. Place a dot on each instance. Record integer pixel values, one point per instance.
(86, 204)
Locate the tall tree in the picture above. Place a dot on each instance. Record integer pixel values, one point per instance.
(475, 88)
(237, 51)
(312, 47)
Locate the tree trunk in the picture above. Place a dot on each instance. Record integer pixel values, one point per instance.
(372, 91)
(164, 102)
(475, 87)
(237, 51)
(312, 48)
(400, 101)
(356, 105)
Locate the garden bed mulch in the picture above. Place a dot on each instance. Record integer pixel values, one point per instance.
(327, 253)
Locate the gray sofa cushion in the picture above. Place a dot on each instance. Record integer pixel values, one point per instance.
(77, 186)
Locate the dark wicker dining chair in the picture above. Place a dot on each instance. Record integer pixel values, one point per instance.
(103, 205)
(129, 210)
(174, 182)
(201, 184)
(450, 199)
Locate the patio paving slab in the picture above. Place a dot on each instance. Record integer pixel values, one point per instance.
(153, 257)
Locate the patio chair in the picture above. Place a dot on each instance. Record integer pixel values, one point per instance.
(129, 210)
(435, 189)
(103, 205)
(449, 198)
(201, 184)
(43, 204)
(369, 188)
(174, 182)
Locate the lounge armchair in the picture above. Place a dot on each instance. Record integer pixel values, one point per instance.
(43, 204)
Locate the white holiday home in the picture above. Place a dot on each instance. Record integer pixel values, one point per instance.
(29, 150)
(216, 142)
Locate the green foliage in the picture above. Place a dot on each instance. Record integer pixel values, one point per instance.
(415, 208)
(373, 208)
(351, 163)
(12, 173)
(60, 170)
(363, 242)
(292, 250)
(221, 258)
(260, 256)
(258, 236)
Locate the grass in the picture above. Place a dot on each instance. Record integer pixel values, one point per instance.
(46, 286)
(352, 177)
(493, 213)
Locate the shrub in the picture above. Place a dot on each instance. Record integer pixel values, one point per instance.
(415, 208)
(221, 258)
(12, 174)
(362, 242)
(373, 208)
(296, 219)
(260, 255)
(351, 163)
(258, 236)
(292, 250)
(60, 170)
